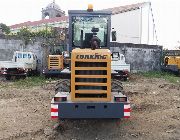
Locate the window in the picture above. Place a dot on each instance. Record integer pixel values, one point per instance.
(24, 55)
(19, 55)
(113, 35)
(84, 28)
(115, 55)
(29, 55)
(122, 57)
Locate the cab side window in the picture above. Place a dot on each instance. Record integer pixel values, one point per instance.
(113, 35)
(24, 55)
(122, 57)
(19, 55)
(29, 55)
(115, 55)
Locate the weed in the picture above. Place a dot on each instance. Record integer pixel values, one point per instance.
(30, 82)
(165, 75)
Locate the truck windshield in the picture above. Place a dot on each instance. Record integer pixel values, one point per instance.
(84, 28)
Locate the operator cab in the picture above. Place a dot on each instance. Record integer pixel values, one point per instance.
(89, 29)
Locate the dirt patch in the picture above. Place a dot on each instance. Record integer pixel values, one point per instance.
(144, 107)
(170, 86)
(25, 114)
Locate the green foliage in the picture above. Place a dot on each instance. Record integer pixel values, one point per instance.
(25, 35)
(5, 28)
(49, 33)
(30, 82)
(165, 75)
(43, 33)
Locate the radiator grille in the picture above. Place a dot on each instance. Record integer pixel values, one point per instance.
(55, 62)
(90, 80)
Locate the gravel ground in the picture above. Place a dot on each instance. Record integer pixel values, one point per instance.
(25, 114)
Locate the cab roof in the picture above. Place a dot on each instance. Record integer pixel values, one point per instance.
(99, 12)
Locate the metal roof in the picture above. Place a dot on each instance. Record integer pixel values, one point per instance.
(43, 21)
(126, 8)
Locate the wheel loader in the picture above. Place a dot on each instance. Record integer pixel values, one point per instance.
(90, 93)
(171, 61)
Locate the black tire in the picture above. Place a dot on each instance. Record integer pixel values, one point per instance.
(63, 86)
(29, 73)
(47, 76)
(116, 86)
(179, 72)
(125, 78)
(8, 77)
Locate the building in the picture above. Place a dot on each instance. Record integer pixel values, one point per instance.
(35, 26)
(52, 10)
(131, 23)
(56, 18)
(134, 24)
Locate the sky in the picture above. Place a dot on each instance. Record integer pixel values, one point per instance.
(166, 14)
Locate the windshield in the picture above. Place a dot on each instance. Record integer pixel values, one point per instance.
(84, 28)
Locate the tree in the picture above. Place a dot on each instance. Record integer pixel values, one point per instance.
(5, 28)
(25, 35)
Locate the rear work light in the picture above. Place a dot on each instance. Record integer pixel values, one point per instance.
(120, 99)
(126, 72)
(60, 99)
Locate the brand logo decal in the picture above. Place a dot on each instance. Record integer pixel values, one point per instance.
(96, 56)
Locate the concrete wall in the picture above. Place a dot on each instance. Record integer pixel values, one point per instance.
(8, 46)
(141, 57)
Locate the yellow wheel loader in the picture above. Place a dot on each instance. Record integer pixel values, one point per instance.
(90, 92)
(171, 61)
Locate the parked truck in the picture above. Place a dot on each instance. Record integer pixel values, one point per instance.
(22, 64)
(120, 69)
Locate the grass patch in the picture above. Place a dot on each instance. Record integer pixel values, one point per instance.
(30, 82)
(2, 85)
(165, 75)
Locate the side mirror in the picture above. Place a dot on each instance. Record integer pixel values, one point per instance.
(113, 35)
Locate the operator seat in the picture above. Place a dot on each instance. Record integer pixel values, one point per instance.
(87, 41)
(95, 43)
